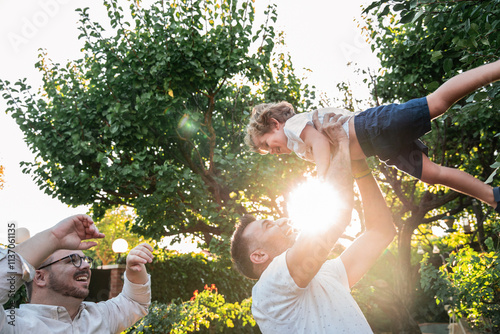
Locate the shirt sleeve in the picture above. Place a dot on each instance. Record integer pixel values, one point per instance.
(336, 269)
(14, 271)
(129, 306)
(293, 129)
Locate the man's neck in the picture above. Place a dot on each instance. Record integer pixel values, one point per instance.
(71, 304)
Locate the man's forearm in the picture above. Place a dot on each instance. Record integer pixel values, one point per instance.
(377, 214)
(37, 248)
(339, 176)
(311, 249)
(339, 173)
(379, 233)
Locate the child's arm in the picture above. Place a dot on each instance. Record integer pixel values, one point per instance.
(320, 148)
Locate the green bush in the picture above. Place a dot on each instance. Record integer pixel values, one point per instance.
(206, 312)
(175, 276)
(469, 284)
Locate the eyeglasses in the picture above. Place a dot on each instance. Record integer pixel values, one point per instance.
(75, 259)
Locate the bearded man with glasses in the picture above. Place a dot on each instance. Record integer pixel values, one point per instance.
(60, 283)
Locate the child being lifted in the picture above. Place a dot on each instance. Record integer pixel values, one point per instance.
(389, 132)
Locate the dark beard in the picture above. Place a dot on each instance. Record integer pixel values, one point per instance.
(57, 285)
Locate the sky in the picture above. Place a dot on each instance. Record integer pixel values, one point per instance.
(322, 36)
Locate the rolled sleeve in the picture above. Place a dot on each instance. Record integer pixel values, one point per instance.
(129, 306)
(140, 293)
(13, 269)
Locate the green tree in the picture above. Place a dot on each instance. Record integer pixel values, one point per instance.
(151, 117)
(420, 44)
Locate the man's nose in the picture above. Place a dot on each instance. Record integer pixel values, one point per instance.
(85, 265)
(282, 222)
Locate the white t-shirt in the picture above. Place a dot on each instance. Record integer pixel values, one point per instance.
(324, 306)
(295, 125)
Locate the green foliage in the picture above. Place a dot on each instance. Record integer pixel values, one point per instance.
(496, 165)
(438, 39)
(206, 312)
(420, 45)
(176, 276)
(153, 113)
(469, 282)
(20, 297)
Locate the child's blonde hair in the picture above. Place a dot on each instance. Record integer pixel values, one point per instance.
(260, 123)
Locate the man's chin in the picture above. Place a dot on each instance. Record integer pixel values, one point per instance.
(78, 293)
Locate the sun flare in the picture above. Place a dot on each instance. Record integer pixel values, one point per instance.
(313, 205)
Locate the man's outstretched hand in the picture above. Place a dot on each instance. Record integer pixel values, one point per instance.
(71, 232)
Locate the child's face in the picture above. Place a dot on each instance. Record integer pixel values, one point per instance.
(274, 142)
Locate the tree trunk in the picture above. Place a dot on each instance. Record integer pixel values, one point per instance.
(405, 281)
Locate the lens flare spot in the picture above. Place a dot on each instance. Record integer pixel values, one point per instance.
(184, 122)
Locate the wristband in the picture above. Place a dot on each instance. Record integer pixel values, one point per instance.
(362, 174)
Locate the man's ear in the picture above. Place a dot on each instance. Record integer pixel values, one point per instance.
(40, 278)
(259, 256)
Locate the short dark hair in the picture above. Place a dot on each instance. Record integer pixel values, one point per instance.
(240, 250)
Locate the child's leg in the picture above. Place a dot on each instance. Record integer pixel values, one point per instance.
(461, 85)
(457, 180)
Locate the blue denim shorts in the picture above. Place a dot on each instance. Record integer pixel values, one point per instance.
(391, 133)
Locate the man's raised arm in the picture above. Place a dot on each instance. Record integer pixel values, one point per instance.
(311, 250)
(69, 233)
(380, 231)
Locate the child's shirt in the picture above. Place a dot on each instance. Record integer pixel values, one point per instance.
(295, 125)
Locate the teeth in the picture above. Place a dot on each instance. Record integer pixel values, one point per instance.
(81, 278)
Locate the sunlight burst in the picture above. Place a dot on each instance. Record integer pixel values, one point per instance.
(313, 206)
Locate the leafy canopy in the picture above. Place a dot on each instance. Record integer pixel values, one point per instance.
(152, 115)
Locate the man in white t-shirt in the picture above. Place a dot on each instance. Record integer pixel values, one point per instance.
(299, 289)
